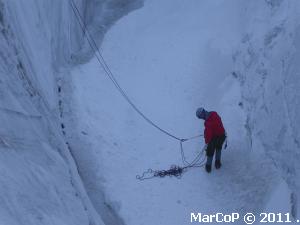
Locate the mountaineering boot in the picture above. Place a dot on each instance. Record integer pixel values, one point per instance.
(208, 163)
(218, 164)
(208, 168)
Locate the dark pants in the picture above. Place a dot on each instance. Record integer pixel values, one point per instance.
(215, 145)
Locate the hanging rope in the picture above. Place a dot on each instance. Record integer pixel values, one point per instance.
(111, 76)
(174, 170)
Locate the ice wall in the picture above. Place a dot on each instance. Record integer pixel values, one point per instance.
(39, 41)
(268, 70)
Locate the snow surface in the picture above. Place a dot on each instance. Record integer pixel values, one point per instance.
(39, 178)
(70, 146)
(269, 76)
(169, 66)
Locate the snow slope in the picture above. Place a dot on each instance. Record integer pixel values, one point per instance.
(71, 146)
(268, 71)
(39, 178)
(170, 59)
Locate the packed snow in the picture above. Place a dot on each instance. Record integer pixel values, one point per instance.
(169, 66)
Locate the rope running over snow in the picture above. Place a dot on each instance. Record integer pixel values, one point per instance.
(174, 170)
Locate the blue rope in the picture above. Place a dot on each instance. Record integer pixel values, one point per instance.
(111, 76)
(174, 170)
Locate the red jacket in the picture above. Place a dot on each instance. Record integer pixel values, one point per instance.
(213, 127)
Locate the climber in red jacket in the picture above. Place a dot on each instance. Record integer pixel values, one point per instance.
(214, 135)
